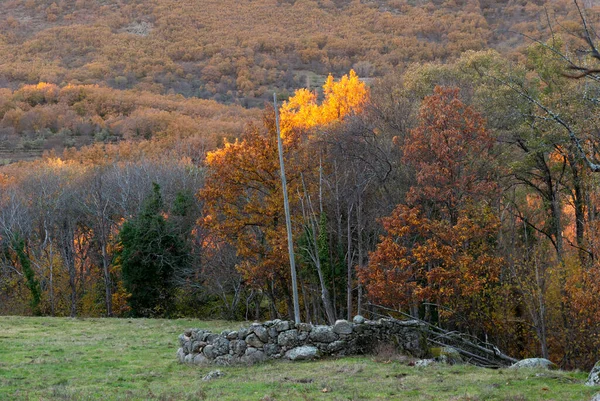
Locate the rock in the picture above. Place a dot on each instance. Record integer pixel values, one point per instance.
(288, 338)
(336, 346)
(272, 339)
(180, 355)
(200, 359)
(253, 341)
(302, 353)
(424, 362)
(242, 334)
(302, 336)
(208, 351)
(594, 376)
(358, 319)
(342, 327)
(183, 339)
(224, 360)
(261, 333)
(254, 355)
(596, 397)
(214, 374)
(322, 334)
(238, 347)
(273, 333)
(282, 325)
(211, 337)
(450, 356)
(304, 327)
(271, 349)
(197, 346)
(538, 363)
(220, 346)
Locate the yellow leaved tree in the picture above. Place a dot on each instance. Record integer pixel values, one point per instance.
(243, 195)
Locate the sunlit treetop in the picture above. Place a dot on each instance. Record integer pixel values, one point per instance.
(342, 98)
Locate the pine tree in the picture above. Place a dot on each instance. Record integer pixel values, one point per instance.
(151, 249)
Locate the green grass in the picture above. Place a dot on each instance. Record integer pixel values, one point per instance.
(134, 359)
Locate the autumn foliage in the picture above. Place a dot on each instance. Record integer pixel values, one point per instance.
(439, 248)
(243, 195)
(454, 189)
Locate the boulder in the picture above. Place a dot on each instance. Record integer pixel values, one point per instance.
(288, 338)
(322, 334)
(421, 363)
(233, 335)
(183, 339)
(261, 333)
(449, 355)
(304, 327)
(242, 334)
(537, 363)
(188, 358)
(358, 319)
(200, 359)
(253, 341)
(208, 351)
(594, 376)
(282, 325)
(336, 346)
(210, 337)
(302, 336)
(596, 397)
(180, 355)
(221, 346)
(271, 349)
(197, 346)
(342, 327)
(273, 333)
(238, 347)
(215, 374)
(302, 353)
(224, 360)
(254, 355)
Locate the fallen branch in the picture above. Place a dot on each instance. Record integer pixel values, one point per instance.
(478, 352)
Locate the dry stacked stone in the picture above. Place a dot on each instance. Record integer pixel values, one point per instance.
(282, 339)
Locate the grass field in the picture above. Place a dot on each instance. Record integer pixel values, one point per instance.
(134, 359)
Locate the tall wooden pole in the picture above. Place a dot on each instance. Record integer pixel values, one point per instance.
(288, 220)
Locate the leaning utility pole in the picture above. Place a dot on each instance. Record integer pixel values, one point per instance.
(288, 220)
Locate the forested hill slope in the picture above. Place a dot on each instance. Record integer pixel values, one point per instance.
(236, 50)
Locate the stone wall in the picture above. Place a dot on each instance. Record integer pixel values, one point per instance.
(283, 339)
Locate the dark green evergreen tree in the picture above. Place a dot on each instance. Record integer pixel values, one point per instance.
(32, 283)
(152, 248)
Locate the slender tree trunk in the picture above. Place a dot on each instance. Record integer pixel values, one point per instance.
(360, 251)
(349, 265)
(68, 254)
(107, 280)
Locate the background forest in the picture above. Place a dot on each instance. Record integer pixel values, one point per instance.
(447, 172)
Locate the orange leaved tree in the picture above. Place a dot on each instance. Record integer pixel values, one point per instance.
(438, 254)
(243, 195)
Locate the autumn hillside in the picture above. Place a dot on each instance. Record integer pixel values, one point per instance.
(236, 51)
(45, 117)
(233, 52)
